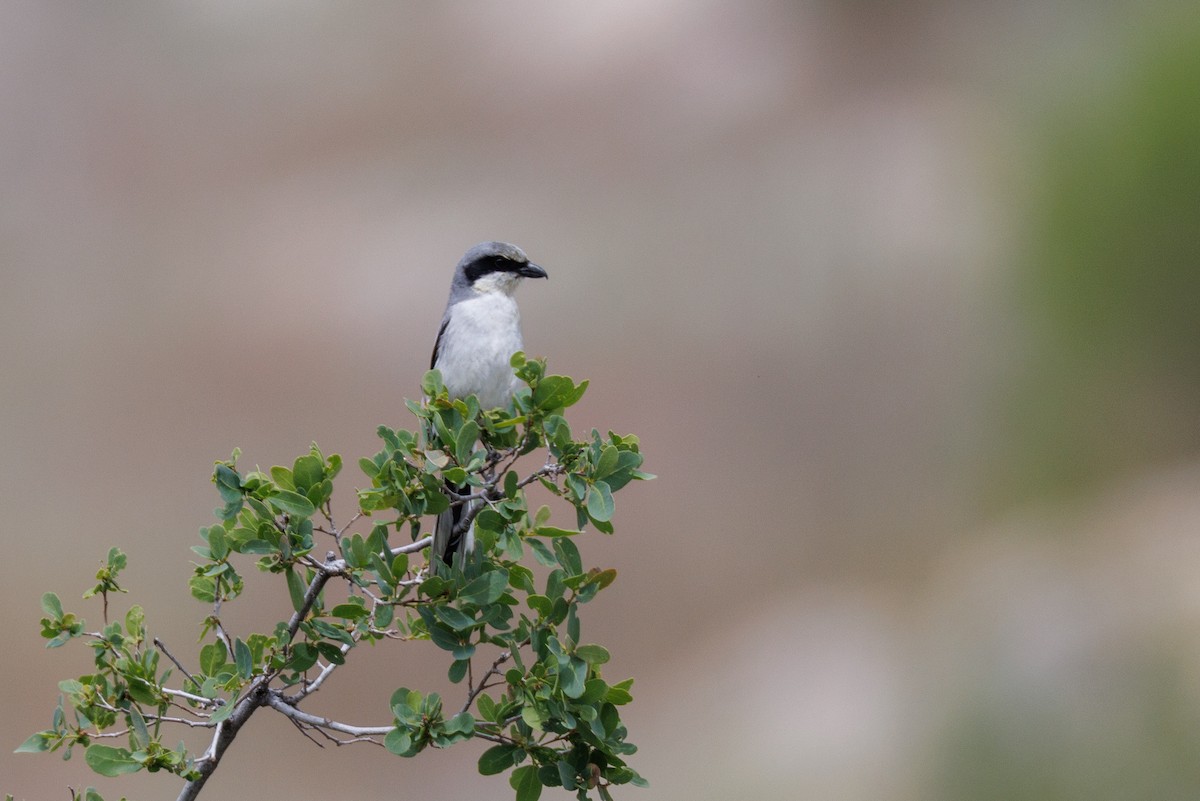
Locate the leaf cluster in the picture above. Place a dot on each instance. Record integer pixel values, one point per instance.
(507, 615)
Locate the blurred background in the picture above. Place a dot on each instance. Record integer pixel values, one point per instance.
(901, 297)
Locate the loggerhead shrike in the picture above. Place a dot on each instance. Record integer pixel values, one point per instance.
(480, 332)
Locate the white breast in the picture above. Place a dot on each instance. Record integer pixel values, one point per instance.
(482, 335)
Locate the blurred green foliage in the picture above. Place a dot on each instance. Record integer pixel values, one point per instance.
(1128, 734)
(1111, 284)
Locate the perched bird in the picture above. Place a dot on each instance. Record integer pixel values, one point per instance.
(480, 332)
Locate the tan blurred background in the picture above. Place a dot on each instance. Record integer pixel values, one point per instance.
(902, 299)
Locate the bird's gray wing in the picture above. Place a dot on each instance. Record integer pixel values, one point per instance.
(437, 345)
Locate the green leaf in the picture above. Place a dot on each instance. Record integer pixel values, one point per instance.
(577, 487)
(349, 611)
(109, 761)
(607, 461)
(453, 618)
(229, 484)
(283, 477)
(399, 742)
(36, 744)
(217, 544)
(223, 712)
(487, 707)
(541, 552)
(566, 774)
(296, 588)
(406, 697)
(242, 658)
(52, 606)
(552, 392)
(540, 604)
(485, 589)
(526, 782)
(444, 639)
(552, 531)
(384, 614)
(438, 458)
(521, 578)
(307, 472)
(135, 621)
(431, 383)
(572, 678)
(332, 652)
(304, 656)
(619, 694)
(465, 443)
(603, 578)
(593, 654)
(462, 723)
(490, 520)
(458, 670)
(292, 504)
(600, 504)
(139, 736)
(212, 658)
(532, 717)
(572, 397)
(593, 691)
(567, 555)
(498, 759)
(143, 692)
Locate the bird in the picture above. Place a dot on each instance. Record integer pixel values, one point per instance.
(480, 331)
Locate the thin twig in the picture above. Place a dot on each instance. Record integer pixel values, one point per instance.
(492, 671)
(340, 531)
(300, 727)
(159, 645)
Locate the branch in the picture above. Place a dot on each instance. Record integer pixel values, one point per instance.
(276, 701)
(227, 730)
(339, 532)
(488, 495)
(195, 724)
(492, 671)
(159, 645)
(314, 685)
(412, 547)
(310, 596)
(337, 567)
(257, 695)
(548, 470)
(199, 699)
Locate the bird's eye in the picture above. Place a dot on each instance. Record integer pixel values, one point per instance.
(505, 265)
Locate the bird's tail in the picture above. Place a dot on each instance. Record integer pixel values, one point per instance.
(448, 540)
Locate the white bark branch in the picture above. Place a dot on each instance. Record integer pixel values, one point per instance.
(277, 703)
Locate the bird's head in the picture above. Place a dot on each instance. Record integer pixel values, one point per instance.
(495, 267)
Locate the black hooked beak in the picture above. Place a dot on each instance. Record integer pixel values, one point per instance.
(531, 270)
